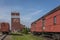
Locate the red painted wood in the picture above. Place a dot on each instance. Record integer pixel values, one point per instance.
(49, 23)
(5, 27)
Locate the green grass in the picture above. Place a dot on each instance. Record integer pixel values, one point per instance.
(26, 37)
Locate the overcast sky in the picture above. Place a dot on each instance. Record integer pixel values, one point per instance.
(30, 10)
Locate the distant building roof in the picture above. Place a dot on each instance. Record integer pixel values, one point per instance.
(15, 13)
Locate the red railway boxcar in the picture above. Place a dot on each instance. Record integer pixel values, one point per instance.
(49, 23)
(5, 27)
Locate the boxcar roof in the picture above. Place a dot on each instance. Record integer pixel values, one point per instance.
(52, 11)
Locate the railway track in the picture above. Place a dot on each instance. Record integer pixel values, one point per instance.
(2, 37)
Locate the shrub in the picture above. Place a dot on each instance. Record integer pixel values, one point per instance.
(25, 31)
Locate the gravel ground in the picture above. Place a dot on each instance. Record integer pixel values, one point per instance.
(8, 37)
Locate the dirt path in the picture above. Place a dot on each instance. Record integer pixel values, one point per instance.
(8, 37)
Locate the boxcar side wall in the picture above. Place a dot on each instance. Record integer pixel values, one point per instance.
(32, 27)
(39, 26)
(5, 27)
(49, 22)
